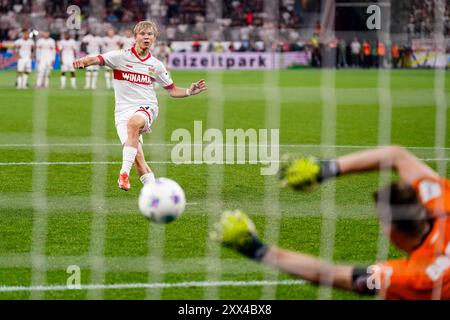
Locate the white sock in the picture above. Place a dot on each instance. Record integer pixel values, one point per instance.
(108, 79)
(73, 82)
(39, 78)
(88, 79)
(46, 77)
(94, 79)
(19, 82)
(148, 177)
(63, 82)
(128, 156)
(25, 80)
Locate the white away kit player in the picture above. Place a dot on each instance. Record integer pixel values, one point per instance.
(67, 50)
(93, 46)
(127, 40)
(24, 48)
(135, 70)
(111, 42)
(45, 56)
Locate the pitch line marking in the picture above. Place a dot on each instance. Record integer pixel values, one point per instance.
(83, 163)
(153, 285)
(43, 145)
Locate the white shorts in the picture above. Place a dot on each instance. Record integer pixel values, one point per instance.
(67, 67)
(93, 68)
(44, 64)
(24, 65)
(148, 112)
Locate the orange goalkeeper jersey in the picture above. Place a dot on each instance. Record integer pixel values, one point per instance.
(425, 274)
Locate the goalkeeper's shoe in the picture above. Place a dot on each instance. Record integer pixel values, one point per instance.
(299, 173)
(237, 231)
(124, 181)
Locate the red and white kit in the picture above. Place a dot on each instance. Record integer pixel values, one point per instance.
(133, 86)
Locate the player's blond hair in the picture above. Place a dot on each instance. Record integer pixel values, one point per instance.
(147, 24)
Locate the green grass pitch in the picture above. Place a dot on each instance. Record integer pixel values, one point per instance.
(113, 243)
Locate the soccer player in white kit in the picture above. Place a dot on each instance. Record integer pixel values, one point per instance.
(127, 40)
(135, 69)
(45, 56)
(67, 50)
(93, 47)
(110, 43)
(24, 48)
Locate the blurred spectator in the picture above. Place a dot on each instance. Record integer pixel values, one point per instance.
(342, 54)
(395, 52)
(374, 54)
(381, 53)
(366, 54)
(196, 46)
(355, 52)
(316, 57)
(422, 18)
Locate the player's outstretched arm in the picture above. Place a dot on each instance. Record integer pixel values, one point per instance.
(86, 62)
(386, 158)
(301, 173)
(195, 88)
(237, 231)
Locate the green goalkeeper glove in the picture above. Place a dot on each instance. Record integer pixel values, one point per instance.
(237, 231)
(303, 173)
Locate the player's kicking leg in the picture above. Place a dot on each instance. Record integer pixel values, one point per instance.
(130, 149)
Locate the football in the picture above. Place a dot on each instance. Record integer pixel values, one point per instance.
(162, 201)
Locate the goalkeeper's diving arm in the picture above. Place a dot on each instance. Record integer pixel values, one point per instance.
(393, 157)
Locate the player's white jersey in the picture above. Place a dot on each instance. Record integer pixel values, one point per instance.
(45, 49)
(93, 43)
(111, 43)
(133, 78)
(68, 49)
(25, 47)
(128, 42)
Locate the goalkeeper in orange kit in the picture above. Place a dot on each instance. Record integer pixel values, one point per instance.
(413, 212)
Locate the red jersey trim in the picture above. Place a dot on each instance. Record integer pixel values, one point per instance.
(146, 112)
(133, 77)
(137, 56)
(102, 60)
(170, 86)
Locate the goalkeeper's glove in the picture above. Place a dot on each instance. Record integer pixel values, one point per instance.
(236, 230)
(303, 173)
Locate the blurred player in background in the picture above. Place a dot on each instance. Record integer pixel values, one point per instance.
(93, 46)
(414, 214)
(45, 56)
(24, 49)
(162, 52)
(67, 51)
(111, 42)
(127, 41)
(135, 70)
